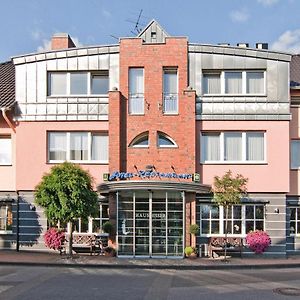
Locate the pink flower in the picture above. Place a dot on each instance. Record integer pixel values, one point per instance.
(258, 241)
(54, 238)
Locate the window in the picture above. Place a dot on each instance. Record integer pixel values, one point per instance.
(241, 219)
(78, 147)
(295, 154)
(136, 91)
(78, 83)
(5, 150)
(141, 141)
(164, 141)
(295, 221)
(211, 84)
(170, 90)
(6, 217)
(234, 83)
(231, 147)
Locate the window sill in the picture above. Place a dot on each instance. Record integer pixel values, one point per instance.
(170, 114)
(233, 163)
(79, 96)
(81, 162)
(167, 147)
(5, 232)
(234, 95)
(137, 114)
(5, 165)
(295, 169)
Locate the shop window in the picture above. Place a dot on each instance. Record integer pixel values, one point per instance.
(295, 154)
(6, 217)
(233, 147)
(294, 220)
(241, 219)
(141, 141)
(229, 82)
(170, 91)
(136, 91)
(79, 147)
(78, 83)
(5, 150)
(164, 141)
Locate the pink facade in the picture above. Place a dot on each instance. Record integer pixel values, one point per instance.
(273, 175)
(32, 157)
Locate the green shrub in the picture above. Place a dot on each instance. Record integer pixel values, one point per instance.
(108, 227)
(194, 229)
(189, 250)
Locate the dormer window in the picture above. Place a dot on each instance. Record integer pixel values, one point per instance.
(164, 141)
(140, 141)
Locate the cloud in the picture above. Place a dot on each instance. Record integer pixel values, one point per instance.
(106, 13)
(289, 41)
(267, 2)
(46, 46)
(239, 16)
(37, 34)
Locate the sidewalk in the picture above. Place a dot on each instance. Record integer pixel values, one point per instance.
(26, 258)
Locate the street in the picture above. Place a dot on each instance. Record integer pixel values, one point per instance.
(35, 283)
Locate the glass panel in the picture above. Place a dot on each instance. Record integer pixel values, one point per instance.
(210, 146)
(233, 82)
(170, 91)
(6, 218)
(164, 141)
(293, 213)
(237, 227)
(79, 146)
(211, 84)
(237, 212)
(259, 225)
(205, 209)
(249, 226)
(298, 227)
(100, 84)
(100, 147)
(57, 146)
(292, 227)
(142, 141)
(259, 212)
(215, 212)
(249, 212)
(205, 227)
(136, 91)
(255, 146)
(57, 84)
(215, 227)
(78, 83)
(295, 154)
(233, 146)
(5, 150)
(255, 82)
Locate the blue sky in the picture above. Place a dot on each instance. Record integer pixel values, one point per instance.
(27, 25)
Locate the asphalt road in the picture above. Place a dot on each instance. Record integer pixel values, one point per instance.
(36, 283)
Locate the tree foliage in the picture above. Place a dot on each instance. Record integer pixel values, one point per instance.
(228, 190)
(66, 193)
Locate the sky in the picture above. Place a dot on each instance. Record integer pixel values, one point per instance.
(27, 25)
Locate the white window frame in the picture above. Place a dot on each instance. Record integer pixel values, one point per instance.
(68, 83)
(7, 137)
(222, 214)
(68, 149)
(293, 167)
(168, 138)
(244, 83)
(134, 96)
(8, 206)
(134, 142)
(166, 71)
(297, 219)
(222, 149)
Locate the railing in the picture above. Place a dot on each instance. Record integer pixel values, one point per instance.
(170, 103)
(136, 104)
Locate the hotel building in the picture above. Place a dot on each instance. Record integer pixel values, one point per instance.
(153, 119)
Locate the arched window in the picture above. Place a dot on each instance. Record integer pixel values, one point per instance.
(140, 141)
(164, 141)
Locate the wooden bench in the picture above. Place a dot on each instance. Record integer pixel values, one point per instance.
(82, 241)
(217, 243)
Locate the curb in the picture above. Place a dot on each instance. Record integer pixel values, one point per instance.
(153, 267)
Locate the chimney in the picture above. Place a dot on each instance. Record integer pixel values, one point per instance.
(61, 41)
(264, 46)
(243, 45)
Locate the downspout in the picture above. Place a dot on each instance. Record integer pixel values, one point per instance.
(18, 223)
(9, 123)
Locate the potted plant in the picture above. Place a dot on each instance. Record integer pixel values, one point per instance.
(54, 239)
(109, 251)
(108, 228)
(194, 229)
(190, 252)
(258, 241)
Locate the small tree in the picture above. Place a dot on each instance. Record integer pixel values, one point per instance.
(228, 190)
(66, 194)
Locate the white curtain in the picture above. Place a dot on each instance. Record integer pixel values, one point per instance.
(211, 147)
(295, 154)
(57, 146)
(255, 146)
(5, 150)
(233, 82)
(79, 146)
(211, 84)
(78, 83)
(233, 146)
(100, 147)
(170, 91)
(255, 82)
(58, 83)
(136, 90)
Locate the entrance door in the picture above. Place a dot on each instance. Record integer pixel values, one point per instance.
(150, 224)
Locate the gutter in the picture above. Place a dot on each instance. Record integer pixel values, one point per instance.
(9, 123)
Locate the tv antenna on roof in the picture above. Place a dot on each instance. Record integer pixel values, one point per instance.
(137, 29)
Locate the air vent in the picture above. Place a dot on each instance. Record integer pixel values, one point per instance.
(243, 45)
(264, 46)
